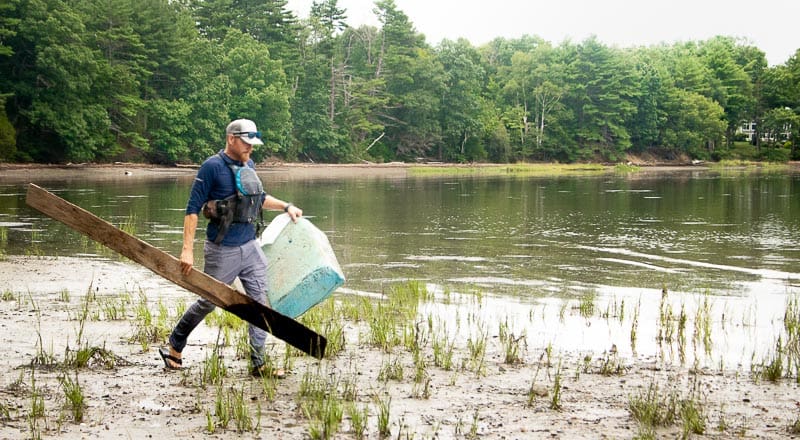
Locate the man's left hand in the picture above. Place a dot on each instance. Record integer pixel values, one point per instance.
(294, 212)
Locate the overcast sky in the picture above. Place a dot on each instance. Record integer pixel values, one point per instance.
(770, 25)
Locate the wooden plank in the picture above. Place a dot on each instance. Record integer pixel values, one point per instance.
(164, 264)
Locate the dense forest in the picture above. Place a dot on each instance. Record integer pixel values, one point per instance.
(157, 81)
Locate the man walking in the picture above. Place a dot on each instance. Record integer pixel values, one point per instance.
(229, 193)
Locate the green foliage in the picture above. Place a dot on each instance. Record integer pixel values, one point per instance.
(257, 87)
(8, 141)
(8, 24)
(695, 125)
(157, 81)
(603, 78)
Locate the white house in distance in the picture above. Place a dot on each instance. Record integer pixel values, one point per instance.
(749, 130)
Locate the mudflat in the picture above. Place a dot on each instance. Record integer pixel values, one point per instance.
(95, 325)
(53, 308)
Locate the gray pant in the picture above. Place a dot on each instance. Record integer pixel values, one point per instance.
(225, 263)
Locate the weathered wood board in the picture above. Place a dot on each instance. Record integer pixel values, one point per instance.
(164, 264)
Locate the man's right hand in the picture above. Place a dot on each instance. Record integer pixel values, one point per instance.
(187, 261)
(187, 251)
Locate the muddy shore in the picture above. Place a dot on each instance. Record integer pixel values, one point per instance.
(44, 318)
(16, 173)
(136, 397)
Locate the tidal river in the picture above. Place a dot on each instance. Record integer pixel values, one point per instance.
(533, 250)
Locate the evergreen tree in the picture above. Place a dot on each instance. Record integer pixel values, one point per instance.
(731, 86)
(414, 84)
(58, 84)
(601, 97)
(461, 104)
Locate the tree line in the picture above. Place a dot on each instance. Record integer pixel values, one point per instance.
(157, 81)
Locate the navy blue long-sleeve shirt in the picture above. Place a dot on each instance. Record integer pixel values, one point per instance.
(215, 181)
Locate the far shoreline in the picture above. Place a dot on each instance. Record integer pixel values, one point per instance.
(28, 172)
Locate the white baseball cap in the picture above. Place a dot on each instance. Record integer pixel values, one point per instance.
(245, 129)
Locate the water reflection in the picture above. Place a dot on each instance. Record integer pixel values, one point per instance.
(689, 231)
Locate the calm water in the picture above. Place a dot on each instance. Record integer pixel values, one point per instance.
(732, 234)
(521, 241)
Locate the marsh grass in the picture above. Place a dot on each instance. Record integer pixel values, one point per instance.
(42, 357)
(693, 417)
(682, 319)
(7, 295)
(521, 169)
(128, 225)
(148, 328)
(321, 403)
(34, 249)
(83, 357)
(422, 389)
(773, 369)
(211, 426)
(652, 408)
(213, 370)
(791, 324)
(241, 342)
(614, 309)
(383, 332)
(534, 390)
(420, 367)
(586, 305)
(384, 415)
(443, 347)
(76, 400)
(349, 386)
(391, 322)
(473, 429)
(222, 409)
(635, 326)
(703, 325)
(37, 415)
(391, 369)
(325, 419)
(358, 419)
(3, 243)
(555, 399)
(794, 427)
(232, 405)
(115, 309)
(312, 385)
(222, 319)
(512, 345)
(241, 409)
(666, 325)
(624, 168)
(611, 365)
(327, 319)
(268, 382)
(326, 396)
(476, 345)
(5, 413)
(655, 408)
(407, 297)
(748, 165)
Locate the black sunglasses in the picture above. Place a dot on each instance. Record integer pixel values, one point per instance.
(249, 134)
